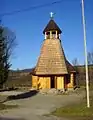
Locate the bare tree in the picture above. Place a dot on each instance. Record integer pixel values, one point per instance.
(90, 58)
(75, 62)
(7, 40)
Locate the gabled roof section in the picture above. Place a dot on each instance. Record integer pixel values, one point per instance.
(52, 26)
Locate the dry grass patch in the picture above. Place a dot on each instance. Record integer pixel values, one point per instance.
(77, 111)
(4, 106)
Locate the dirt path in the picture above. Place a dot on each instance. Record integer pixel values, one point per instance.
(35, 107)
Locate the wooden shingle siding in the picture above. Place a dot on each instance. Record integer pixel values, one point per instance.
(52, 58)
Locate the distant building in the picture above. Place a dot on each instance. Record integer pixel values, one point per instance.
(53, 69)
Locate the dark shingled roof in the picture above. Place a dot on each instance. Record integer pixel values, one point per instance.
(52, 26)
(33, 71)
(70, 67)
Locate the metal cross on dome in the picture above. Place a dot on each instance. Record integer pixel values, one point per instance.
(51, 14)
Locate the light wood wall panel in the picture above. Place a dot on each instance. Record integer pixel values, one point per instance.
(35, 82)
(60, 82)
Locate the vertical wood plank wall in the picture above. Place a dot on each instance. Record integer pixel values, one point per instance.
(60, 82)
(48, 82)
(71, 84)
(45, 82)
(72, 79)
(35, 82)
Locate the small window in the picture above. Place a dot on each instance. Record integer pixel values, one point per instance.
(48, 33)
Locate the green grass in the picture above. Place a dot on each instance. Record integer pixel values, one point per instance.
(77, 111)
(4, 106)
(3, 99)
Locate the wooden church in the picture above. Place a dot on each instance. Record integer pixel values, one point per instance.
(53, 69)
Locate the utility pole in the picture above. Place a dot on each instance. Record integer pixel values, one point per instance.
(86, 59)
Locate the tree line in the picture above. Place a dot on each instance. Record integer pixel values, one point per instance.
(80, 77)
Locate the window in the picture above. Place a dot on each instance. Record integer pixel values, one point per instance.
(48, 35)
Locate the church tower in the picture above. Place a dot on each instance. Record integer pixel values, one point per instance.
(52, 68)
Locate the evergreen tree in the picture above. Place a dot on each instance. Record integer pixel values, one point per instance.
(4, 58)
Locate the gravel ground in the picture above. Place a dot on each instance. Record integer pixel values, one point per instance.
(38, 106)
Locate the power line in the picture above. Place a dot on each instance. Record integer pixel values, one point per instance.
(30, 8)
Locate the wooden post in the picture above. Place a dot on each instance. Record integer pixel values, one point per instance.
(72, 79)
(45, 35)
(56, 34)
(55, 82)
(50, 34)
(59, 36)
(49, 83)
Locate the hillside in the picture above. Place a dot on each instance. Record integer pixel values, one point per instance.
(22, 78)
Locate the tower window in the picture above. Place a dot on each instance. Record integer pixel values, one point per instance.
(53, 34)
(48, 35)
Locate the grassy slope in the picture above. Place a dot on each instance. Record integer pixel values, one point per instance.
(3, 106)
(77, 111)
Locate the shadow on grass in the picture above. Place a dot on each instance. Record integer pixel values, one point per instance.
(23, 95)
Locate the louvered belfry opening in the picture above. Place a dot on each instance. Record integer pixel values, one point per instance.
(52, 68)
(52, 31)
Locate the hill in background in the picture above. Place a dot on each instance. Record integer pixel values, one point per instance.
(22, 78)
